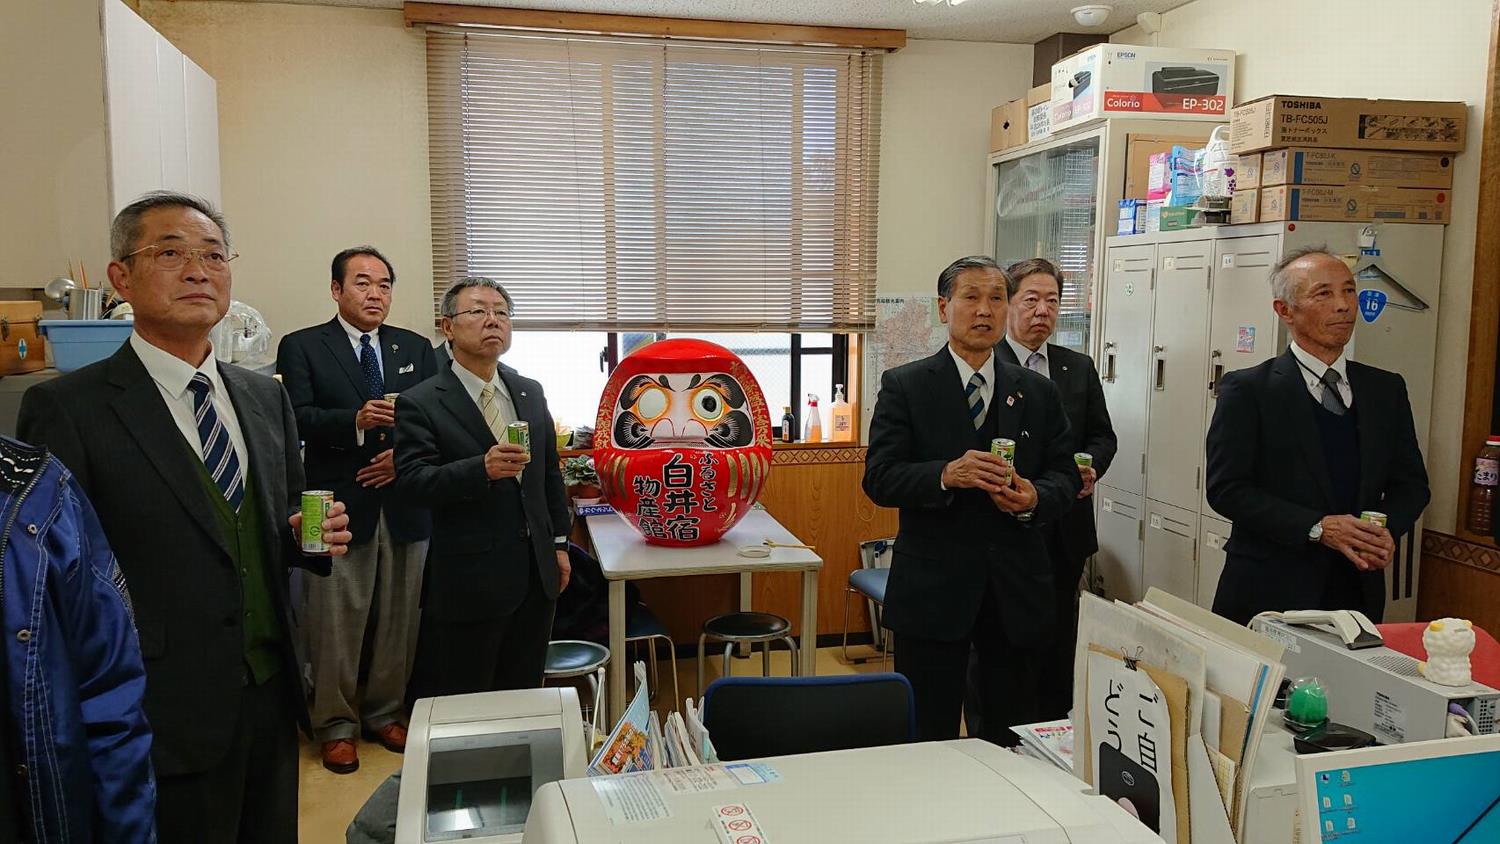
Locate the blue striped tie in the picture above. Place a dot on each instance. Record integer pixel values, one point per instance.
(976, 401)
(218, 452)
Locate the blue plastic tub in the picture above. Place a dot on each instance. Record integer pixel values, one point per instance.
(76, 343)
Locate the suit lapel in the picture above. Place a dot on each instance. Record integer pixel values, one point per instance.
(1058, 370)
(338, 346)
(1287, 375)
(144, 414)
(1007, 403)
(947, 396)
(396, 357)
(256, 426)
(464, 409)
(1371, 447)
(1004, 352)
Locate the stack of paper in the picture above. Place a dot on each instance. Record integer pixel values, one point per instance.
(643, 742)
(1049, 741)
(1169, 705)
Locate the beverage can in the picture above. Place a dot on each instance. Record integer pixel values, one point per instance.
(390, 397)
(1083, 459)
(519, 433)
(1373, 517)
(315, 506)
(1004, 448)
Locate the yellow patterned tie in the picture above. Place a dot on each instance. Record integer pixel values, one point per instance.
(490, 408)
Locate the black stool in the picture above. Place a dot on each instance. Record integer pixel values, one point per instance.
(746, 628)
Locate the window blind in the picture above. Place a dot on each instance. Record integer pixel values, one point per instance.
(649, 186)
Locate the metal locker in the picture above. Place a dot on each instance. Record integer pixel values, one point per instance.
(1179, 351)
(1126, 344)
(1243, 329)
(1214, 533)
(1170, 553)
(1118, 562)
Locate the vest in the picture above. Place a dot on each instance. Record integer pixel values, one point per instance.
(247, 551)
(1340, 439)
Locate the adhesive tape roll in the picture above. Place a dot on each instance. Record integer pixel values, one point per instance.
(756, 551)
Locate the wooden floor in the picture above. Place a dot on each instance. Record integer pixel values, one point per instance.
(329, 801)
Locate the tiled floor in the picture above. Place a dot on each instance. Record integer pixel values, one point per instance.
(329, 801)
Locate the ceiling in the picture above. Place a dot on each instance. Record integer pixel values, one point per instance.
(1013, 21)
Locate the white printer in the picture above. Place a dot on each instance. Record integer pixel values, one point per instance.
(474, 762)
(954, 791)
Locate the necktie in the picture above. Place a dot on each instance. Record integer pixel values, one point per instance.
(976, 401)
(1332, 401)
(373, 380)
(489, 406)
(218, 452)
(1034, 363)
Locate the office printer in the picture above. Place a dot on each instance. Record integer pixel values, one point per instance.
(1371, 687)
(474, 762)
(953, 791)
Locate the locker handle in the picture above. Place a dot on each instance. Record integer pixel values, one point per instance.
(1161, 372)
(1213, 385)
(1109, 367)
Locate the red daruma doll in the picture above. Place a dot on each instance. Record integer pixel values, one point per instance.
(683, 441)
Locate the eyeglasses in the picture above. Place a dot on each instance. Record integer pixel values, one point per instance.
(482, 313)
(176, 257)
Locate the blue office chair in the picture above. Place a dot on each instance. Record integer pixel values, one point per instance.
(869, 582)
(749, 717)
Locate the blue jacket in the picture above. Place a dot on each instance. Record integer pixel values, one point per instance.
(74, 675)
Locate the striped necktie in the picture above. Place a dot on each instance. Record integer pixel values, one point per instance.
(489, 406)
(218, 451)
(976, 401)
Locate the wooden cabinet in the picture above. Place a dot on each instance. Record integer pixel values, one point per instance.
(99, 108)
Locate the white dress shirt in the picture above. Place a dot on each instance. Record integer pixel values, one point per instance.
(1023, 353)
(1312, 374)
(172, 376)
(354, 335)
(965, 372)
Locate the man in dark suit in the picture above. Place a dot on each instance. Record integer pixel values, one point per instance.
(338, 375)
(193, 468)
(500, 518)
(970, 565)
(1303, 443)
(1035, 288)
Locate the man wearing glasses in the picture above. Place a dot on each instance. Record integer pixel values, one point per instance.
(500, 520)
(339, 375)
(193, 468)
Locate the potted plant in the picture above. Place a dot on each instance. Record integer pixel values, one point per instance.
(581, 479)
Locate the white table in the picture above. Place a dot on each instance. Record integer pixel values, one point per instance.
(624, 555)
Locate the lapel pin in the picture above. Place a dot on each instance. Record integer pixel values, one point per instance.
(1010, 401)
(523, 394)
(395, 348)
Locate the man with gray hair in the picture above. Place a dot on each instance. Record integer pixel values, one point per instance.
(1300, 446)
(500, 522)
(192, 465)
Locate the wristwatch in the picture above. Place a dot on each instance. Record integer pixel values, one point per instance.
(1315, 533)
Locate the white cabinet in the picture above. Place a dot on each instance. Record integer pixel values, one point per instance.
(1177, 373)
(1214, 533)
(1126, 335)
(105, 109)
(1119, 517)
(1170, 558)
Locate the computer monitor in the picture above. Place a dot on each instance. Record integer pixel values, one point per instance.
(1440, 792)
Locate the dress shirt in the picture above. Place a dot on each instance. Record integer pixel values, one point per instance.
(172, 376)
(1312, 375)
(1023, 353)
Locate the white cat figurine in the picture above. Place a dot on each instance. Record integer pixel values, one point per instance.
(1448, 642)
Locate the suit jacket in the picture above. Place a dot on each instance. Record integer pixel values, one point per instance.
(108, 423)
(1089, 429)
(1266, 474)
(441, 440)
(327, 388)
(953, 543)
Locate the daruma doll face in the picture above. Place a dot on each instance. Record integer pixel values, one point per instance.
(682, 442)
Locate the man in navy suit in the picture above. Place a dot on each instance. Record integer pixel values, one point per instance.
(970, 567)
(337, 375)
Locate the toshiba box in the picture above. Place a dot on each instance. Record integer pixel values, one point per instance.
(1123, 80)
(1282, 121)
(1353, 203)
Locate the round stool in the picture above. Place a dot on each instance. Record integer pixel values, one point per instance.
(746, 628)
(570, 658)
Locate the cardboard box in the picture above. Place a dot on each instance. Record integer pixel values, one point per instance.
(1039, 112)
(1138, 152)
(1132, 216)
(22, 349)
(1244, 206)
(1038, 95)
(1248, 170)
(1283, 121)
(1299, 166)
(1353, 203)
(1176, 217)
(1124, 80)
(1008, 125)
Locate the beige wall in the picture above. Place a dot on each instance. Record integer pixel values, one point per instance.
(935, 135)
(1374, 48)
(322, 142)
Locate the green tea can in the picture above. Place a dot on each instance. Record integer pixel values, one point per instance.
(315, 506)
(519, 433)
(1374, 517)
(1083, 460)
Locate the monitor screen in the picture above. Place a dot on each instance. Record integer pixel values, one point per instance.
(1443, 792)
